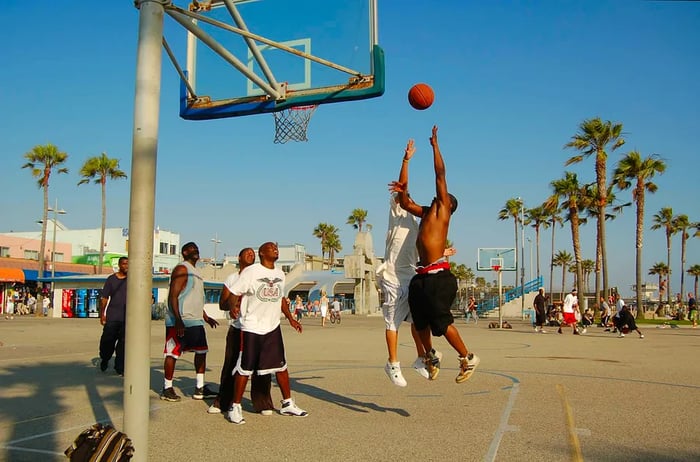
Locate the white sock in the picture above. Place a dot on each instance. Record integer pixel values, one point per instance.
(168, 383)
(200, 380)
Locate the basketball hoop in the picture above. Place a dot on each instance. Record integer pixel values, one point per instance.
(496, 268)
(291, 124)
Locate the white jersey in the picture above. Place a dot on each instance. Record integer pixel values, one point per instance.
(230, 280)
(619, 305)
(569, 301)
(401, 253)
(263, 288)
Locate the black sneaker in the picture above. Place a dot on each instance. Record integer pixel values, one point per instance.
(103, 365)
(204, 392)
(168, 394)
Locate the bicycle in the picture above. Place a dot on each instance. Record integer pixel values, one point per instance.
(335, 317)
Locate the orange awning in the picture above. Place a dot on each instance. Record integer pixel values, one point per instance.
(11, 275)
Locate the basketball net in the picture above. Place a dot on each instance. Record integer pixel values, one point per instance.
(291, 123)
(496, 268)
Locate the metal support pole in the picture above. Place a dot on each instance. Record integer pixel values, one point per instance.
(522, 259)
(500, 300)
(141, 219)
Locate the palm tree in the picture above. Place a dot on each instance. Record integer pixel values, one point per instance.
(322, 231)
(594, 137)
(633, 168)
(333, 244)
(537, 217)
(695, 272)
(681, 224)
(562, 258)
(554, 219)
(357, 218)
(664, 219)
(512, 209)
(660, 269)
(570, 195)
(99, 169)
(42, 160)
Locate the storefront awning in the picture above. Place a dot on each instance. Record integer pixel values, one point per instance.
(11, 275)
(33, 275)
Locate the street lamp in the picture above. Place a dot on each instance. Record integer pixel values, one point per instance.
(522, 257)
(529, 240)
(56, 211)
(216, 242)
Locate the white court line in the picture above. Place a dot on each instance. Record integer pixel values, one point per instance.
(503, 426)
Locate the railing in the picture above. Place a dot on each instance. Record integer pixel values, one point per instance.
(492, 302)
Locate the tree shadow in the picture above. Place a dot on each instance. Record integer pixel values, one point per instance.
(34, 397)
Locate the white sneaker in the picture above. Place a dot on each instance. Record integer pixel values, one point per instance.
(641, 335)
(584, 330)
(235, 414)
(290, 408)
(394, 373)
(419, 367)
(213, 409)
(542, 331)
(621, 335)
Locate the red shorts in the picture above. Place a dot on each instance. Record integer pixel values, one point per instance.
(569, 318)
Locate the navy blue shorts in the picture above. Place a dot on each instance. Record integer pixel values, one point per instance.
(430, 297)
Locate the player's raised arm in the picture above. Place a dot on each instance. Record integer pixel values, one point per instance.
(400, 187)
(440, 177)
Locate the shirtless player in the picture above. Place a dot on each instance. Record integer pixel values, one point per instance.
(434, 287)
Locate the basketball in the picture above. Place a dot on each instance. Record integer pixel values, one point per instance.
(421, 96)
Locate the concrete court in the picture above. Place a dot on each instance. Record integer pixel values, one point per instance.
(534, 397)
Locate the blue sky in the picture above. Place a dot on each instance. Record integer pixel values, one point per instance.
(513, 80)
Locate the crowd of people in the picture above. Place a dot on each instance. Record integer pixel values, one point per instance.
(24, 301)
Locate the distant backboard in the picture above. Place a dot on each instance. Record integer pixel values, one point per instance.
(505, 257)
(259, 56)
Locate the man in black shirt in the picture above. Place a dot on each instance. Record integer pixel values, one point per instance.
(113, 318)
(540, 305)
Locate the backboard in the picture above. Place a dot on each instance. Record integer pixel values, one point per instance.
(259, 56)
(505, 257)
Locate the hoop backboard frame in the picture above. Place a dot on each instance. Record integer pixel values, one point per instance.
(268, 68)
(488, 257)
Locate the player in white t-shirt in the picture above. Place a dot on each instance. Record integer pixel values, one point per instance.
(569, 308)
(261, 384)
(262, 347)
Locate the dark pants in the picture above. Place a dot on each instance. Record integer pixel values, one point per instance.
(112, 340)
(260, 386)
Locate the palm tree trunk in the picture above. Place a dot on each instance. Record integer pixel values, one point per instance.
(42, 249)
(517, 260)
(537, 238)
(668, 263)
(551, 262)
(684, 237)
(104, 224)
(601, 180)
(577, 252)
(563, 280)
(640, 239)
(598, 267)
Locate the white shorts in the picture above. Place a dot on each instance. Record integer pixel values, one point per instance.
(395, 306)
